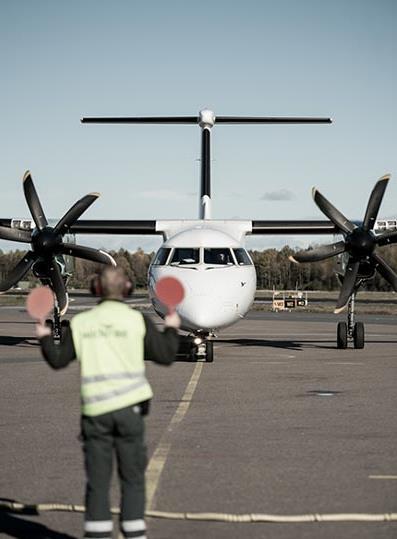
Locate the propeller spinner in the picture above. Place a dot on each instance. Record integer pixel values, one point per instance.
(47, 242)
(359, 242)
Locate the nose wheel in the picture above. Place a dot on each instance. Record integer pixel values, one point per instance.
(209, 351)
(350, 331)
(203, 349)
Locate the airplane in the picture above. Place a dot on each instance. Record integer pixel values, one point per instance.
(207, 255)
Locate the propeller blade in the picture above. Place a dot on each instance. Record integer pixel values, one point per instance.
(374, 202)
(15, 234)
(385, 270)
(95, 255)
(33, 201)
(18, 272)
(74, 212)
(386, 239)
(58, 286)
(349, 281)
(332, 213)
(319, 253)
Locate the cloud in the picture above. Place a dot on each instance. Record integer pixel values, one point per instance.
(281, 194)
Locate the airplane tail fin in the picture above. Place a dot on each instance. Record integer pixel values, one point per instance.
(206, 119)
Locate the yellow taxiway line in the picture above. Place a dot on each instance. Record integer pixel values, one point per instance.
(160, 455)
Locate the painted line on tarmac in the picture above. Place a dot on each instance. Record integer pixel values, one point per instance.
(347, 363)
(160, 455)
(391, 477)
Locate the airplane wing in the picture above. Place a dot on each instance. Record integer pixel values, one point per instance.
(82, 226)
(153, 227)
(293, 227)
(114, 227)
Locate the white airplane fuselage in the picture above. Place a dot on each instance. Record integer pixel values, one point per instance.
(215, 270)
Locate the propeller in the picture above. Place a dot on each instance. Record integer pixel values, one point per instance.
(359, 242)
(47, 244)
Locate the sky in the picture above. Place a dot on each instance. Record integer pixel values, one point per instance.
(63, 60)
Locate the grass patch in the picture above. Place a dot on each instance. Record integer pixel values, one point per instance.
(12, 300)
(363, 308)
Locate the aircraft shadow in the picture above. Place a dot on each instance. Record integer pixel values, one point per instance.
(20, 528)
(29, 322)
(288, 345)
(12, 340)
(294, 345)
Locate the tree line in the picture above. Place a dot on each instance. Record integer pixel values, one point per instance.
(273, 268)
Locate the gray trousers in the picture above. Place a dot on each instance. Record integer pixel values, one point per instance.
(123, 432)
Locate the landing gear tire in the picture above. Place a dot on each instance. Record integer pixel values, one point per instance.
(64, 325)
(209, 352)
(341, 340)
(358, 335)
(192, 355)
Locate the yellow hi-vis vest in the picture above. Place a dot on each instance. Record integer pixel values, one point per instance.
(109, 343)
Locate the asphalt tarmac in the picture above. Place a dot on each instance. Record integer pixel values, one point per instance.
(281, 423)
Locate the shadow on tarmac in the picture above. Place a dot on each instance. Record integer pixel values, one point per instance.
(288, 345)
(28, 322)
(11, 340)
(298, 346)
(14, 526)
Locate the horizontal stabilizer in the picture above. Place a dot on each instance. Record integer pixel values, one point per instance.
(142, 120)
(270, 120)
(197, 119)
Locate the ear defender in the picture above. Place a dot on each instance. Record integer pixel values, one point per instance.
(128, 288)
(95, 286)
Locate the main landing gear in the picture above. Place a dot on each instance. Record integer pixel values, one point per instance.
(351, 330)
(55, 324)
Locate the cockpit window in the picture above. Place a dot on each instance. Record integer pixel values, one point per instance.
(185, 255)
(222, 257)
(161, 257)
(242, 257)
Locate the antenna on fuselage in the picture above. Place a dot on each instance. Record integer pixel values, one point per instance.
(206, 120)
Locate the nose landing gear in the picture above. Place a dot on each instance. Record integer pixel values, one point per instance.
(353, 331)
(197, 347)
(202, 349)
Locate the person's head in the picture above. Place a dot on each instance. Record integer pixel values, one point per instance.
(112, 283)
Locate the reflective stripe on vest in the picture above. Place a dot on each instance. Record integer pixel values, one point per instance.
(113, 392)
(114, 376)
(109, 343)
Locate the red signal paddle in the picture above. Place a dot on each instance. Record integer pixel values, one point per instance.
(40, 302)
(170, 292)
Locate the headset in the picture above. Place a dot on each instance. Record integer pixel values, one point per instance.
(97, 290)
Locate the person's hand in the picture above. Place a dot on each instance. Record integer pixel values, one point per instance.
(172, 320)
(42, 330)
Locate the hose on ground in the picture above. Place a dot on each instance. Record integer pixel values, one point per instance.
(17, 507)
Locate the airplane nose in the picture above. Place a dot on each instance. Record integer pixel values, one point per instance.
(203, 312)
